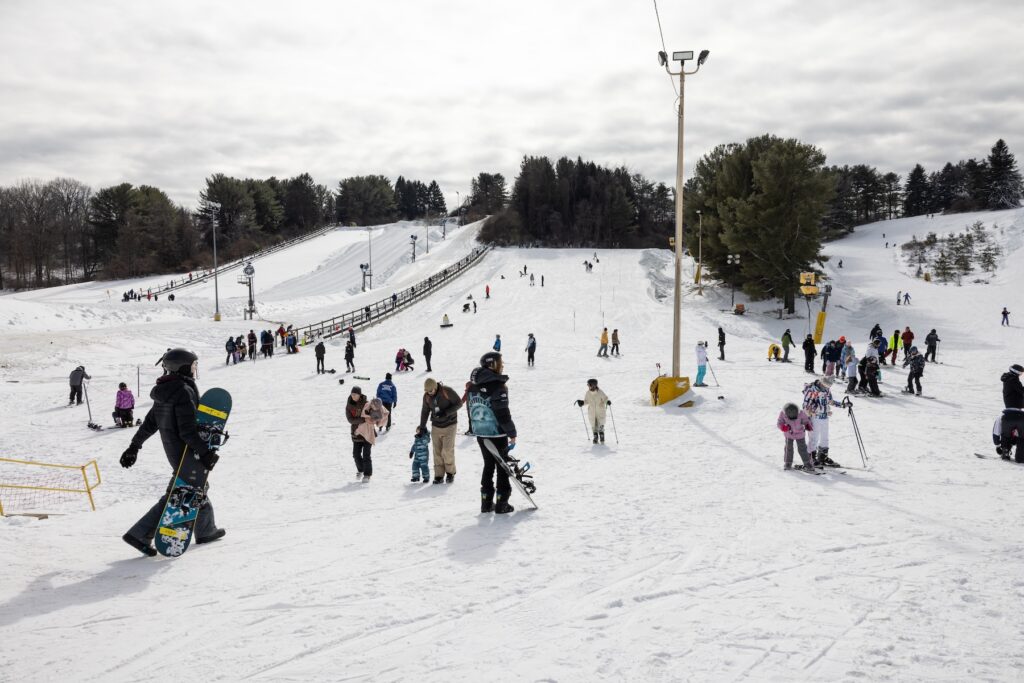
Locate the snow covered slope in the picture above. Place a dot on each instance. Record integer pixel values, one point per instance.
(682, 552)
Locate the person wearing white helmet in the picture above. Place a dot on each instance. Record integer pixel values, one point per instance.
(818, 404)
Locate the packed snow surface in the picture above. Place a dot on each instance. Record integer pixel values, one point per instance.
(679, 550)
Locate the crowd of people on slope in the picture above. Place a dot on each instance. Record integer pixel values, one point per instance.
(246, 346)
(137, 295)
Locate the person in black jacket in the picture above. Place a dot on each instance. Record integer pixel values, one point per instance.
(492, 421)
(75, 381)
(175, 400)
(350, 356)
(1013, 415)
(320, 351)
(809, 353)
(721, 344)
(428, 350)
(930, 343)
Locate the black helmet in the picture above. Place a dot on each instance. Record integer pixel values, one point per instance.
(791, 411)
(492, 360)
(180, 361)
(591, 382)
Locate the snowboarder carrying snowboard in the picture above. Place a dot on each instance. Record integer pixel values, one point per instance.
(175, 400)
(597, 404)
(492, 421)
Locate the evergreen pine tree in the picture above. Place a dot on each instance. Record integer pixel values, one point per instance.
(915, 194)
(1004, 180)
(943, 267)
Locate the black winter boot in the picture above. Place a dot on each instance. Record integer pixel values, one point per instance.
(595, 437)
(602, 436)
(502, 507)
(140, 545)
(486, 501)
(215, 536)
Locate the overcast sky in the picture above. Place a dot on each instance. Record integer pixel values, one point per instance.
(166, 93)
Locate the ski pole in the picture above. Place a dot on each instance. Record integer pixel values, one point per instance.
(614, 430)
(586, 428)
(85, 388)
(857, 436)
(713, 374)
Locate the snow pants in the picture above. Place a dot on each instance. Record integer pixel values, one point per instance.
(801, 448)
(785, 354)
(1013, 420)
(361, 456)
(529, 356)
(390, 407)
(808, 362)
(349, 365)
(817, 438)
(145, 528)
(701, 371)
(851, 385)
(320, 365)
(493, 470)
(912, 378)
(830, 368)
(76, 394)
(442, 440)
(603, 351)
(419, 468)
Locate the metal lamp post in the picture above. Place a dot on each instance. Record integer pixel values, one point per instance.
(216, 288)
(700, 252)
(412, 241)
(733, 260)
(682, 58)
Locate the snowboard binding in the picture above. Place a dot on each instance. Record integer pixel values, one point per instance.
(214, 435)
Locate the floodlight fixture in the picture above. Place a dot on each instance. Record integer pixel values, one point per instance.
(703, 57)
(682, 56)
(662, 58)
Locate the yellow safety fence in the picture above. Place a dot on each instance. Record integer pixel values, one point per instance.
(27, 476)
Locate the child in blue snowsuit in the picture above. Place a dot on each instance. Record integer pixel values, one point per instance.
(419, 453)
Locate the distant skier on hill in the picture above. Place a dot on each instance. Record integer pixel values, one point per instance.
(931, 341)
(597, 404)
(702, 363)
(615, 342)
(1006, 317)
(75, 381)
(721, 344)
(787, 341)
(531, 349)
(602, 350)
(350, 357)
(906, 298)
(809, 353)
(916, 362)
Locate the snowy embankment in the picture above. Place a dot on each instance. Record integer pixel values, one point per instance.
(684, 551)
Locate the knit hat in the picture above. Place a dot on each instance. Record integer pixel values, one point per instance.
(826, 381)
(430, 385)
(1016, 369)
(357, 390)
(387, 375)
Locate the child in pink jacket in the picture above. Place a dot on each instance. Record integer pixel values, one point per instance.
(794, 424)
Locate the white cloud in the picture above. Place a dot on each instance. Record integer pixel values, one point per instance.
(168, 93)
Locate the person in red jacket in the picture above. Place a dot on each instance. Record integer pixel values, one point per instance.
(908, 341)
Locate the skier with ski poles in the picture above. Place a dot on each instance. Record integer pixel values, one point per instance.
(597, 404)
(702, 363)
(175, 401)
(916, 362)
(494, 429)
(931, 344)
(818, 402)
(75, 381)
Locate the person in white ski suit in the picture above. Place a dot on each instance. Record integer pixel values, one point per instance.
(702, 363)
(818, 404)
(596, 402)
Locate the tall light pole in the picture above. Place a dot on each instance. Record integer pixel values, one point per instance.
(412, 241)
(426, 235)
(700, 252)
(216, 288)
(733, 260)
(682, 58)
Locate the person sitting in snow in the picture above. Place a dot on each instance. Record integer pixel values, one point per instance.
(124, 404)
(818, 402)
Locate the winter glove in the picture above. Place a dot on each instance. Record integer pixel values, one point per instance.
(846, 402)
(785, 428)
(579, 403)
(129, 456)
(608, 403)
(810, 427)
(209, 458)
(410, 455)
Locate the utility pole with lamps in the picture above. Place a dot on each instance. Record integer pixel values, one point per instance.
(682, 58)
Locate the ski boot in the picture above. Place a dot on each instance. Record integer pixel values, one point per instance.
(140, 545)
(502, 507)
(595, 437)
(825, 460)
(602, 435)
(486, 501)
(215, 536)
(449, 478)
